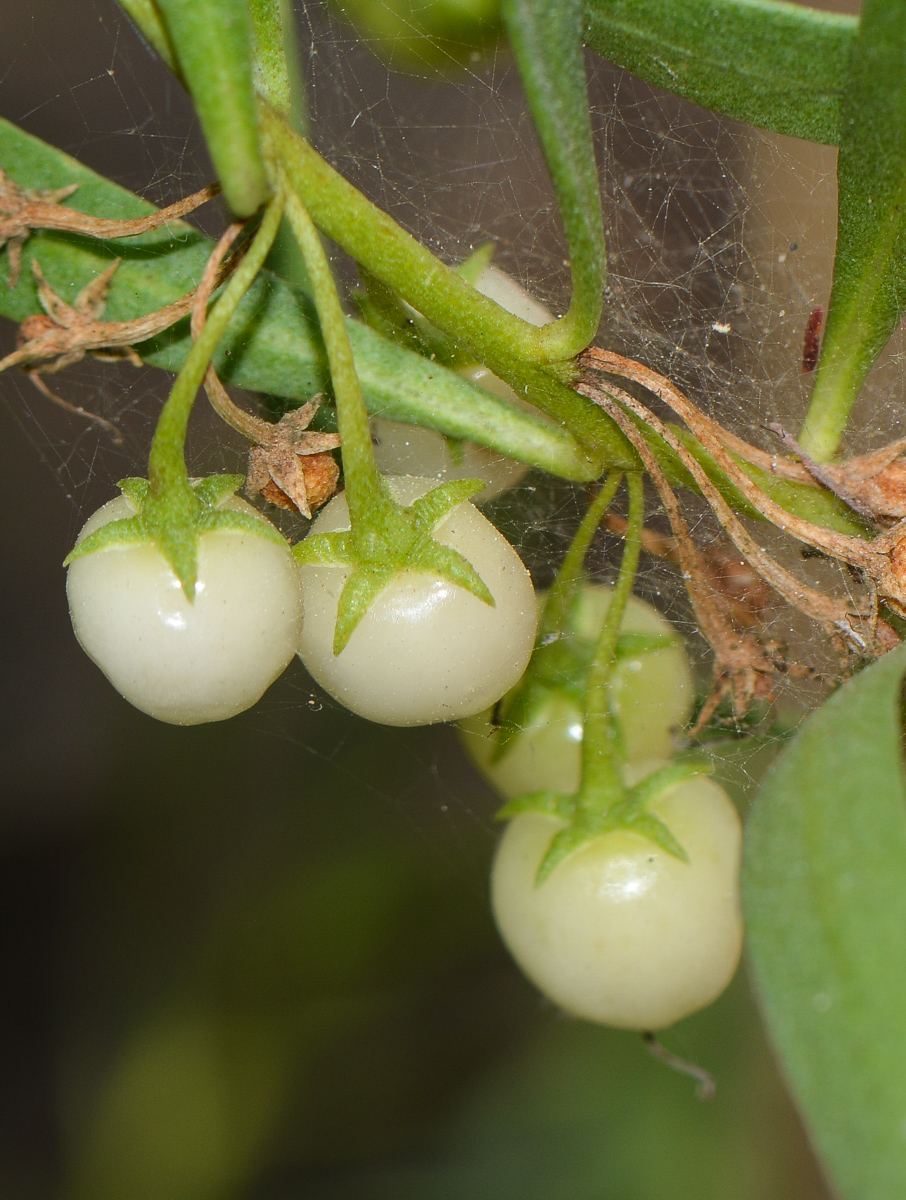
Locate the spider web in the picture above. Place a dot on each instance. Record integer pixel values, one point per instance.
(720, 245)
(719, 237)
(720, 242)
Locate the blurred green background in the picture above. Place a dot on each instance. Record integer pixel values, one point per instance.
(255, 960)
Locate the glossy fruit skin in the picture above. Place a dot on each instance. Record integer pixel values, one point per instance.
(621, 932)
(181, 662)
(426, 650)
(652, 694)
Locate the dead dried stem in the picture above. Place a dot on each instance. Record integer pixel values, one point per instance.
(290, 466)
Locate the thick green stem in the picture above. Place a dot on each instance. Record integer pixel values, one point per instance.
(374, 239)
(601, 774)
(834, 395)
(560, 597)
(493, 336)
(167, 463)
(365, 492)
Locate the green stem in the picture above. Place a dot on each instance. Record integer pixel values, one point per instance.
(506, 344)
(559, 598)
(373, 238)
(837, 383)
(600, 761)
(365, 490)
(167, 462)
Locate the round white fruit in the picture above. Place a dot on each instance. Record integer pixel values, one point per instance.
(180, 661)
(426, 650)
(621, 932)
(652, 695)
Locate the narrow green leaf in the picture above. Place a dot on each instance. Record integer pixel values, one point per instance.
(472, 268)
(136, 491)
(825, 897)
(869, 288)
(547, 42)
(665, 778)
(179, 546)
(777, 66)
(564, 843)
(212, 40)
(632, 645)
(129, 531)
(273, 344)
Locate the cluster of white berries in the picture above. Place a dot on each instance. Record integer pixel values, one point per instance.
(425, 651)
(621, 932)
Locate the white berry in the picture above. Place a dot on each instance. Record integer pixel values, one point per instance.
(652, 696)
(426, 650)
(621, 932)
(178, 661)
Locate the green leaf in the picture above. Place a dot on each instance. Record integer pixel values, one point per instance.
(564, 843)
(777, 66)
(825, 898)
(547, 42)
(273, 344)
(633, 645)
(453, 566)
(869, 288)
(136, 491)
(212, 40)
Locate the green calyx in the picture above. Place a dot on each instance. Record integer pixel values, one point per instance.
(561, 667)
(389, 540)
(176, 528)
(603, 802)
(590, 814)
